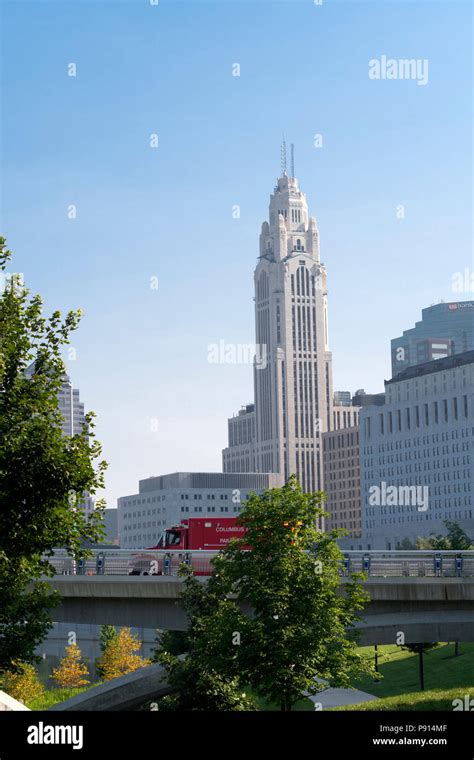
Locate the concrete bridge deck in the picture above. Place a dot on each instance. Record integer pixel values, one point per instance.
(424, 609)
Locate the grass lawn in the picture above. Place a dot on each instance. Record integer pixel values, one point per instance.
(54, 696)
(422, 700)
(446, 678)
(400, 670)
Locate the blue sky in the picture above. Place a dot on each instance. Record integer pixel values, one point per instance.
(167, 212)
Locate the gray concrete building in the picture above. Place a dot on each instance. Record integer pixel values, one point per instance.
(445, 329)
(165, 500)
(417, 453)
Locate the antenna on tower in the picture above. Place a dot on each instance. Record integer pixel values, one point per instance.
(292, 154)
(283, 156)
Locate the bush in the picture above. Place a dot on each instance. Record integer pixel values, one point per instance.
(22, 684)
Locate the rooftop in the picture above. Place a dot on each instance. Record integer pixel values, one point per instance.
(436, 365)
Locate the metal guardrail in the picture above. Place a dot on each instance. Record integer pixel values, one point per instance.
(378, 564)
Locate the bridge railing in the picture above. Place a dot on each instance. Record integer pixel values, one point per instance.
(386, 564)
(381, 564)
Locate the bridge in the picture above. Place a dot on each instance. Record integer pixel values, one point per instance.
(427, 596)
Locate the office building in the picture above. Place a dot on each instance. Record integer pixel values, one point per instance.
(293, 374)
(445, 329)
(416, 452)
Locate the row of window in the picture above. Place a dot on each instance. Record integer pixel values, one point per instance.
(210, 509)
(436, 383)
(417, 518)
(412, 508)
(421, 440)
(412, 417)
(148, 500)
(130, 515)
(149, 524)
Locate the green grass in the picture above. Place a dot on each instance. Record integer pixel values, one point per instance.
(435, 699)
(446, 678)
(54, 696)
(400, 670)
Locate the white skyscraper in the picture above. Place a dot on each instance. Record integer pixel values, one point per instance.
(71, 408)
(293, 371)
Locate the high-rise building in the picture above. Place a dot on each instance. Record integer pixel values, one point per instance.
(72, 412)
(342, 398)
(293, 374)
(71, 408)
(445, 329)
(341, 474)
(344, 417)
(70, 404)
(342, 479)
(239, 456)
(416, 454)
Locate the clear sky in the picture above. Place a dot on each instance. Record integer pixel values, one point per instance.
(166, 212)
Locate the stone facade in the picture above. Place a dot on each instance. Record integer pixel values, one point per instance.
(293, 374)
(421, 442)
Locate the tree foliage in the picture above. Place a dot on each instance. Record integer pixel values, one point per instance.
(455, 539)
(120, 656)
(43, 473)
(275, 617)
(202, 688)
(71, 672)
(107, 634)
(22, 683)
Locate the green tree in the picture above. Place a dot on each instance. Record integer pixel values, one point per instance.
(120, 655)
(202, 688)
(107, 634)
(173, 642)
(406, 545)
(43, 473)
(421, 649)
(301, 624)
(455, 539)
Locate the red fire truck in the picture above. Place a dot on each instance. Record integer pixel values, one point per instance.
(195, 534)
(211, 533)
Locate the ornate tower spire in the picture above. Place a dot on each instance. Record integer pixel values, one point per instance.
(283, 157)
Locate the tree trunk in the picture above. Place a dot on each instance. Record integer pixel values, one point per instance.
(422, 673)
